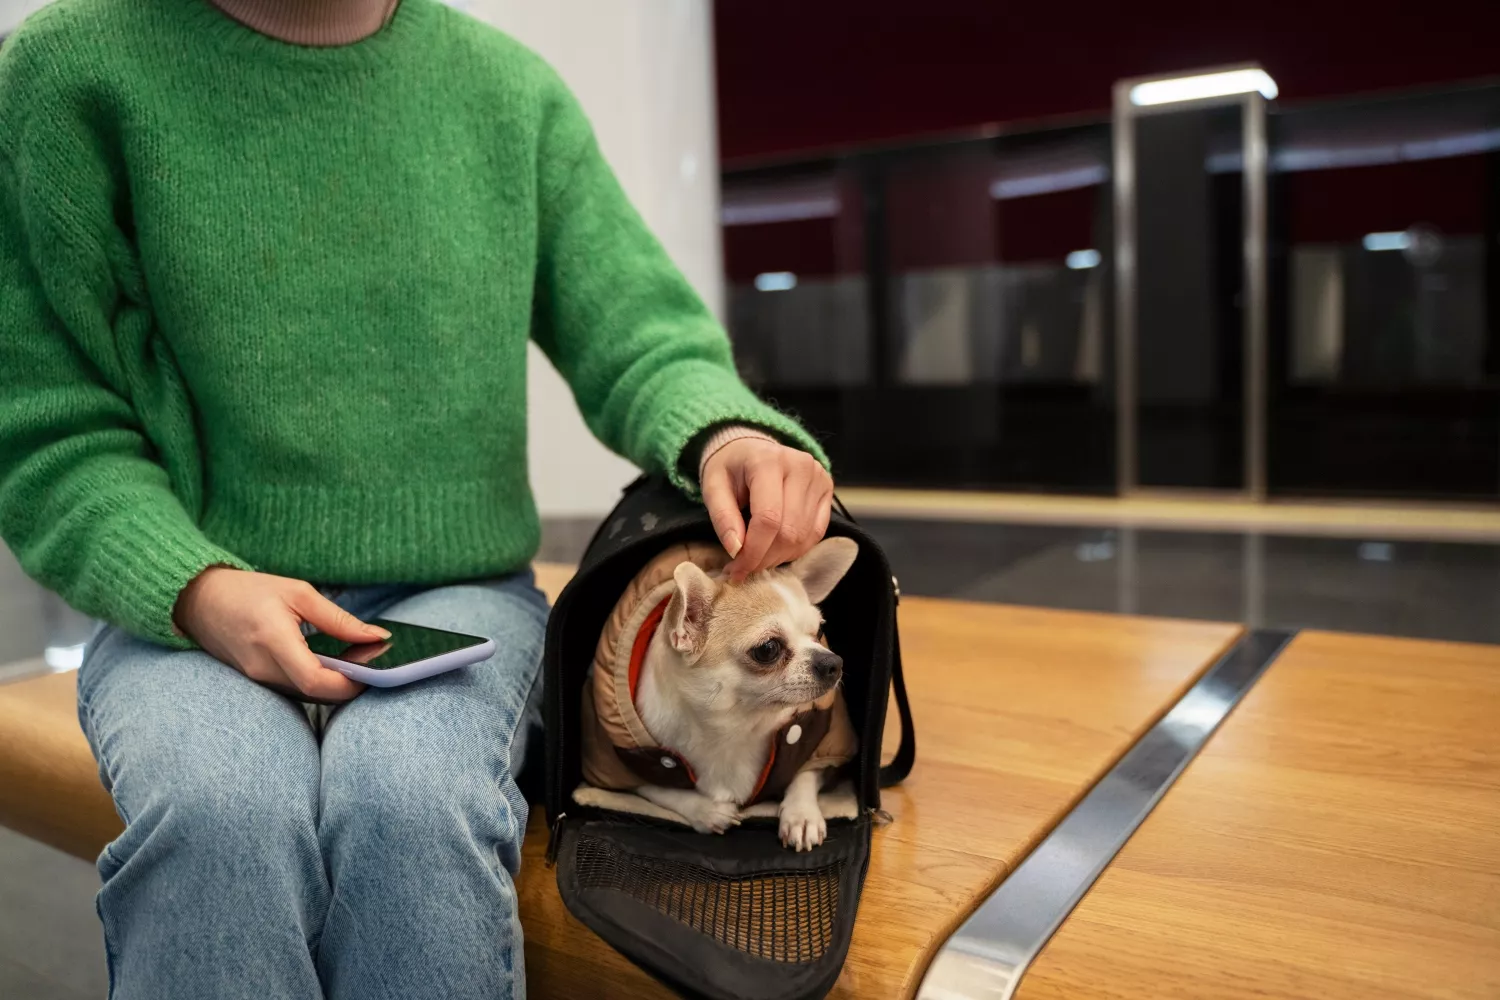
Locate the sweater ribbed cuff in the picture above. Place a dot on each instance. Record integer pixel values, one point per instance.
(708, 399)
(143, 564)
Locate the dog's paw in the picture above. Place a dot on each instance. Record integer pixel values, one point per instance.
(708, 816)
(802, 827)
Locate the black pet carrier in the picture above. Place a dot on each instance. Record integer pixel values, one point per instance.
(734, 916)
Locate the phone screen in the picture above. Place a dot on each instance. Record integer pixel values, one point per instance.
(407, 644)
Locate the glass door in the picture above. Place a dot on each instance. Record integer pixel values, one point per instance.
(1385, 361)
(1190, 187)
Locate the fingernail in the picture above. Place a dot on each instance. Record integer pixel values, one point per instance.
(383, 633)
(732, 544)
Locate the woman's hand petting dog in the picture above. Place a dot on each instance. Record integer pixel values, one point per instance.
(253, 622)
(788, 492)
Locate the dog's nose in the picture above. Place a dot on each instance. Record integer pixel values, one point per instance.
(827, 666)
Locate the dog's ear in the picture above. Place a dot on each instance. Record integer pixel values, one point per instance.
(822, 568)
(689, 610)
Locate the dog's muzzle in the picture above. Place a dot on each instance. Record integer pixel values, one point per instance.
(827, 667)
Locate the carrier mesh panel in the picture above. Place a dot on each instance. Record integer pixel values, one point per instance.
(782, 916)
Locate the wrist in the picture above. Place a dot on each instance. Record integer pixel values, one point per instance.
(727, 435)
(187, 598)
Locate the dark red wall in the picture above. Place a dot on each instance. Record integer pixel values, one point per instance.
(1339, 206)
(796, 75)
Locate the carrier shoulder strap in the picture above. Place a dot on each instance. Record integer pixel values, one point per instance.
(906, 754)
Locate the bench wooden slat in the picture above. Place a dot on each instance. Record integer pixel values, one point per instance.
(1338, 838)
(49, 785)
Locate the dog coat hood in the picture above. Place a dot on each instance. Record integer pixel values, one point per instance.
(619, 753)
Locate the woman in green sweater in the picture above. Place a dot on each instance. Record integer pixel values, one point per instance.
(267, 276)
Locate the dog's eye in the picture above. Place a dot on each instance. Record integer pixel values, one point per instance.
(767, 652)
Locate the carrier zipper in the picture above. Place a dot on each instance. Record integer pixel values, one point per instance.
(554, 838)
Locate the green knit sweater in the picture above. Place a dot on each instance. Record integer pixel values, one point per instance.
(267, 306)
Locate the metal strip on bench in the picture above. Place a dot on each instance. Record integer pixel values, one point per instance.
(986, 958)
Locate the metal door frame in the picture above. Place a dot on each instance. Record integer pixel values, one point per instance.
(1254, 141)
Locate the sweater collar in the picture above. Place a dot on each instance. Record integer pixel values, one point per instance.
(321, 23)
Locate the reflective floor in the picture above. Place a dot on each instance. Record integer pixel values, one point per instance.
(51, 947)
(1436, 590)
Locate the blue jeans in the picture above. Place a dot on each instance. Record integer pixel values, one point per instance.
(263, 857)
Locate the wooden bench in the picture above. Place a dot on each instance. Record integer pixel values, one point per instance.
(1018, 712)
(1338, 838)
(49, 784)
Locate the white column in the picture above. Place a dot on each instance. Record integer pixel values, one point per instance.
(13, 12)
(643, 70)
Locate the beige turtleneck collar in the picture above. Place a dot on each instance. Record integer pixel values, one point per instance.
(312, 22)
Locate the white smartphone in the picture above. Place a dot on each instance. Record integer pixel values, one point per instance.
(410, 654)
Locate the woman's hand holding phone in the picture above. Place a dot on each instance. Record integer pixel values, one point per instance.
(253, 622)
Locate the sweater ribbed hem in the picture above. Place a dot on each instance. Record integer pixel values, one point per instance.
(150, 555)
(426, 532)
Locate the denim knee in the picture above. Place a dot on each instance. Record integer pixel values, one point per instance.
(225, 827)
(421, 806)
(198, 759)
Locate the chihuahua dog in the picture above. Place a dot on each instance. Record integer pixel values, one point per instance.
(737, 695)
(730, 667)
